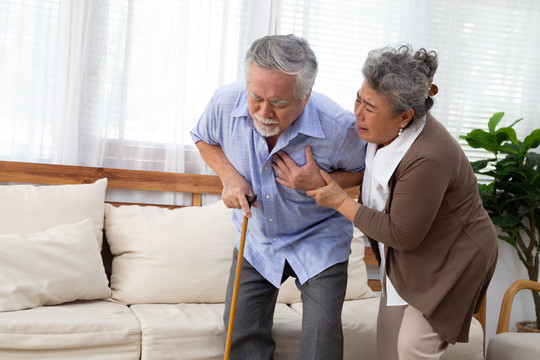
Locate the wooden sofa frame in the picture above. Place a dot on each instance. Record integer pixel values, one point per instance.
(194, 184)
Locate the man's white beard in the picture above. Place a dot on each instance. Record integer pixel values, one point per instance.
(266, 131)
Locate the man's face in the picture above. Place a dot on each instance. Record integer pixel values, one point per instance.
(271, 102)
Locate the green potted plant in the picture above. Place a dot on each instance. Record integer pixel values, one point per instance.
(512, 197)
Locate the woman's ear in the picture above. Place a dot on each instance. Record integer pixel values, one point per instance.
(406, 117)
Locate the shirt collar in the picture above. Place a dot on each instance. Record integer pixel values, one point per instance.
(386, 159)
(308, 123)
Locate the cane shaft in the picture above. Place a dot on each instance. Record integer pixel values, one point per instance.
(235, 288)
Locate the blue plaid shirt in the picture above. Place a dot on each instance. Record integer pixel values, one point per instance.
(287, 224)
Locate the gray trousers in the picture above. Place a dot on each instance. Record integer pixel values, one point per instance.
(322, 302)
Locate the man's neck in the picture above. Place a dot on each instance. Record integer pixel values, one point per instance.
(271, 141)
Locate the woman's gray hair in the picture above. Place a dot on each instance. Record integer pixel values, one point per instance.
(403, 77)
(289, 54)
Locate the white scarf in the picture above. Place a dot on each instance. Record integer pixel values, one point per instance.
(380, 165)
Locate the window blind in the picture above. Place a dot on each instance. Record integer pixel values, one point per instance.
(487, 60)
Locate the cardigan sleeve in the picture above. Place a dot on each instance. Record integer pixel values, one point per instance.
(414, 202)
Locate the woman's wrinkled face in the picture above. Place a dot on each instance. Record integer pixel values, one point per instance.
(375, 119)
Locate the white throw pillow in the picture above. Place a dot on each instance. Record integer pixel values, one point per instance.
(59, 265)
(357, 286)
(26, 209)
(170, 256)
(184, 255)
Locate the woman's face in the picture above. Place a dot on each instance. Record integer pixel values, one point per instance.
(375, 120)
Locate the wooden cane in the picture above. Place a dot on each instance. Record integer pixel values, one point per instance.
(251, 199)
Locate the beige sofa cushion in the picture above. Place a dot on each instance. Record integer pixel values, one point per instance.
(184, 255)
(196, 331)
(59, 265)
(89, 330)
(512, 345)
(170, 256)
(181, 331)
(26, 209)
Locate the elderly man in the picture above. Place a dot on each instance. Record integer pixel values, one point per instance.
(242, 130)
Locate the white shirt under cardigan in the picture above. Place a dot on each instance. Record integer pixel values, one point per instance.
(380, 165)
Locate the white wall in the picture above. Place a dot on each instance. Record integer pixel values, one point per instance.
(508, 270)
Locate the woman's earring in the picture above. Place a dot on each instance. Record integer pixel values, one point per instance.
(400, 130)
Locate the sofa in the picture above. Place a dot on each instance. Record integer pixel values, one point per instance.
(84, 278)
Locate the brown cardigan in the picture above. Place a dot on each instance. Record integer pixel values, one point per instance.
(442, 246)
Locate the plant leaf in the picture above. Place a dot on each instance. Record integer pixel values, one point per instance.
(510, 148)
(506, 221)
(478, 138)
(532, 160)
(531, 141)
(494, 121)
(480, 164)
(507, 133)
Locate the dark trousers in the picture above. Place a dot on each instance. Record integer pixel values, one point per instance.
(322, 302)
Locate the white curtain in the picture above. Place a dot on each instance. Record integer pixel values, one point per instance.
(119, 83)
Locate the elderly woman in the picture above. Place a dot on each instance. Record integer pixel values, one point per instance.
(419, 207)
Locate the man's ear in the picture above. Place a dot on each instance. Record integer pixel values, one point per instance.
(307, 97)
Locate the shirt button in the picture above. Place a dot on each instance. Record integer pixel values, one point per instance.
(274, 239)
(271, 219)
(268, 196)
(266, 168)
